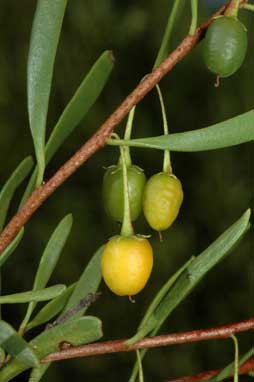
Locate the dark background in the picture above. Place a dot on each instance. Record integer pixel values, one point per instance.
(218, 185)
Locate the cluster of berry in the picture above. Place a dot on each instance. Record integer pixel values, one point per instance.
(127, 260)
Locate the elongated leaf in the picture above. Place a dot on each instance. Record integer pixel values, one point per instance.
(85, 96)
(38, 295)
(46, 30)
(163, 291)
(80, 331)
(88, 283)
(11, 185)
(151, 320)
(193, 274)
(229, 370)
(156, 301)
(49, 259)
(52, 308)
(15, 345)
(148, 316)
(11, 247)
(77, 332)
(232, 132)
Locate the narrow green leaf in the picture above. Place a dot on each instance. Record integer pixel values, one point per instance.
(77, 332)
(52, 252)
(193, 274)
(200, 266)
(38, 372)
(234, 131)
(16, 346)
(49, 259)
(172, 19)
(85, 96)
(163, 291)
(229, 370)
(218, 249)
(11, 247)
(153, 322)
(45, 34)
(88, 283)
(11, 185)
(156, 301)
(51, 309)
(36, 296)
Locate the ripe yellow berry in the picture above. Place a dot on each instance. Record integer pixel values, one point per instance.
(162, 199)
(126, 264)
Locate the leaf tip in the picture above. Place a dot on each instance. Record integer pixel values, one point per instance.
(246, 216)
(100, 328)
(111, 56)
(69, 219)
(30, 160)
(248, 212)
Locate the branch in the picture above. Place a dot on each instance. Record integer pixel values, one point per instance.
(98, 140)
(150, 342)
(245, 368)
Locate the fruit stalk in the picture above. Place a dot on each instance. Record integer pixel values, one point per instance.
(127, 229)
(167, 166)
(248, 7)
(127, 135)
(194, 17)
(232, 9)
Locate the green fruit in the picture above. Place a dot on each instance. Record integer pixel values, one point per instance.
(225, 46)
(162, 199)
(113, 194)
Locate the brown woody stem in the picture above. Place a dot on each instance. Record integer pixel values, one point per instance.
(150, 342)
(245, 368)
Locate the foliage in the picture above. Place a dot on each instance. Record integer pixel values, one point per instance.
(24, 352)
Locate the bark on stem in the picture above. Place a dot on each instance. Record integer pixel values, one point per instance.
(245, 368)
(150, 342)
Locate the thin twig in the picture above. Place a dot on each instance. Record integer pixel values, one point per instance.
(245, 368)
(150, 342)
(98, 140)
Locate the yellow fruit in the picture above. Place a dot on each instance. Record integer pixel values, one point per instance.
(162, 199)
(126, 264)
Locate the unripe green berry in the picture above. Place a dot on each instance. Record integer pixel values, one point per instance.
(225, 46)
